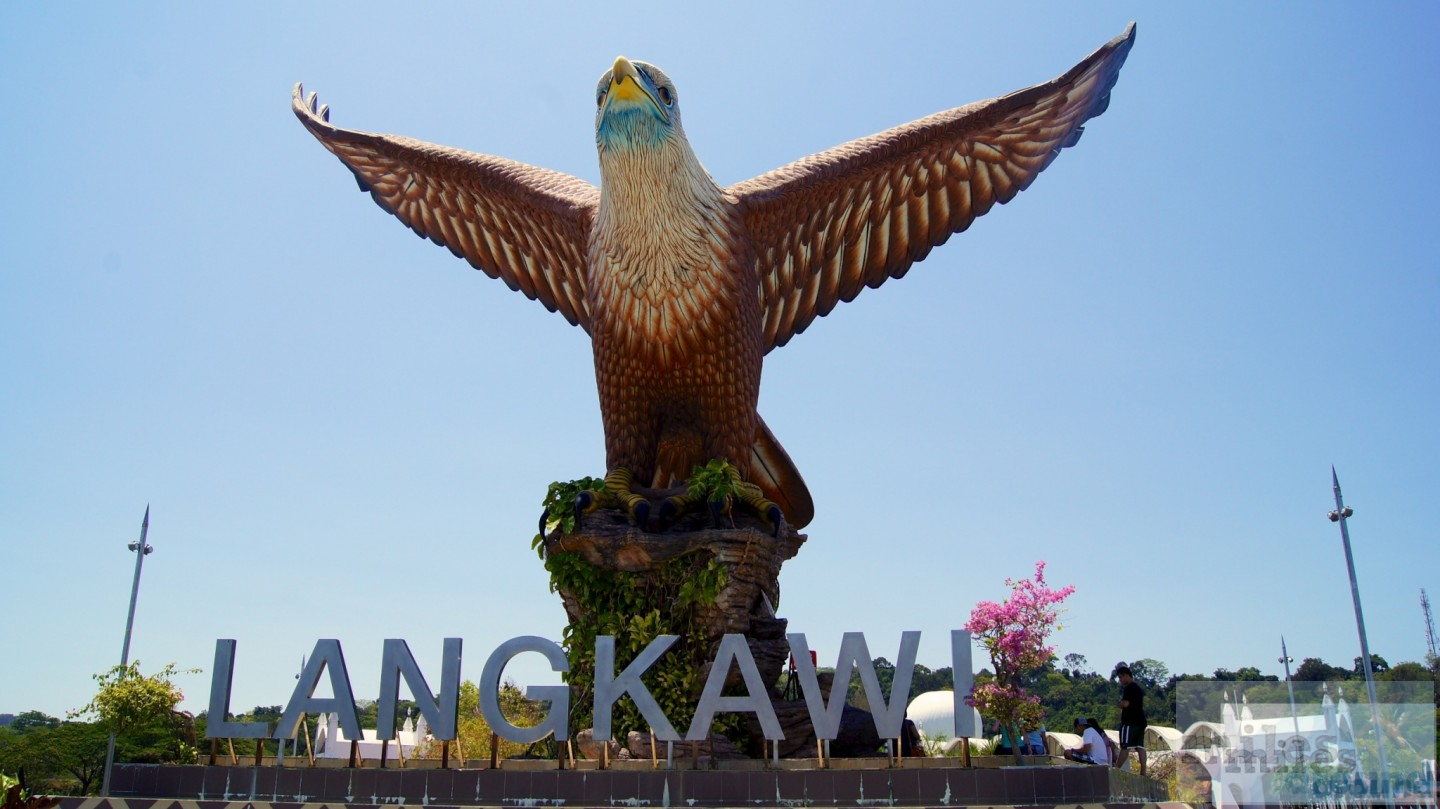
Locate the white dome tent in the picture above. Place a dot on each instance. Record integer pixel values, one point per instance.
(933, 713)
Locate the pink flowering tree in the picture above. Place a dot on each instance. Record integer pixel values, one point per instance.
(1014, 632)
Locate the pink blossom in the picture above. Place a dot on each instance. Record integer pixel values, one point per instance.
(1013, 632)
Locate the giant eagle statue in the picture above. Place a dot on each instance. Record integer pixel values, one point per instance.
(685, 286)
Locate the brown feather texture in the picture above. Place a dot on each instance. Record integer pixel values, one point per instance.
(523, 224)
(684, 286)
(827, 226)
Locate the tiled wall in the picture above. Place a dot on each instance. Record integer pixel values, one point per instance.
(285, 788)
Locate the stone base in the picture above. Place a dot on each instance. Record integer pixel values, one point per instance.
(750, 555)
(918, 782)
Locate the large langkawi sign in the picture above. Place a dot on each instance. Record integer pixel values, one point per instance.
(397, 663)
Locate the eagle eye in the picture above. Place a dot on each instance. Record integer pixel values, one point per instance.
(666, 96)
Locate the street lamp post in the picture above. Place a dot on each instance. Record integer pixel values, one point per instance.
(141, 550)
(1342, 513)
(1289, 684)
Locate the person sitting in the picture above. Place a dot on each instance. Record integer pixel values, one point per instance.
(1003, 746)
(1034, 742)
(1093, 748)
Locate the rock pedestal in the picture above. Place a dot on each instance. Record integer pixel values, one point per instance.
(749, 553)
(745, 605)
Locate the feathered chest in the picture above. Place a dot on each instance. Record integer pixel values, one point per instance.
(668, 276)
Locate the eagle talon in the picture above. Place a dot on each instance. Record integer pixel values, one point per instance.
(776, 518)
(718, 509)
(584, 504)
(620, 485)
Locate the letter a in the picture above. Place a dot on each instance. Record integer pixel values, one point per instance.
(326, 656)
(734, 648)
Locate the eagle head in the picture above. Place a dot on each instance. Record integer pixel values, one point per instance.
(637, 108)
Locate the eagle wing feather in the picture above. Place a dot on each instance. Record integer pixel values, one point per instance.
(525, 225)
(827, 226)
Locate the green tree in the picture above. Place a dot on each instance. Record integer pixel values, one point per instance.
(1073, 692)
(64, 758)
(474, 733)
(1409, 672)
(1315, 670)
(29, 720)
(74, 749)
(941, 679)
(17, 752)
(141, 711)
(1150, 673)
(1377, 665)
(922, 680)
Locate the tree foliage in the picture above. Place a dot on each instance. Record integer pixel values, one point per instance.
(141, 711)
(29, 720)
(1014, 633)
(62, 758)
(76, 749)
(922, 680)
(474, 733)
(1315, 670)
(128, 700)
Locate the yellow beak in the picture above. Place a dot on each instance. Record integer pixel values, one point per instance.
(626, 84)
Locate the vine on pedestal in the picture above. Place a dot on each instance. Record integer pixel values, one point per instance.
(635, 608)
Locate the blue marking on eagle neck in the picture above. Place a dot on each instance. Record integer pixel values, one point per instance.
(633, 126)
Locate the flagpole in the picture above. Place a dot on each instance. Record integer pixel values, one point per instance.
(141, 550)
(1340, 515)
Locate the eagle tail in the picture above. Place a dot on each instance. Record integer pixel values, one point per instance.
(772, 470)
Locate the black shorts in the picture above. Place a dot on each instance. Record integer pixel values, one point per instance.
(1132, 736)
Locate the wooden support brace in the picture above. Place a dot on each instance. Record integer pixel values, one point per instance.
(309, 751)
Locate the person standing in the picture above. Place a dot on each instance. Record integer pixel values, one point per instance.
(912, 744)
(1132, 718)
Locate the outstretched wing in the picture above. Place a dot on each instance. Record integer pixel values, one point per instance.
(523, 224)
(831, 224)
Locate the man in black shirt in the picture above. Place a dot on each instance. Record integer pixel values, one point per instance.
(1132, 718)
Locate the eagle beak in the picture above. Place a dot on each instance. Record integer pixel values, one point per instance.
(624, 69)
(629, 85)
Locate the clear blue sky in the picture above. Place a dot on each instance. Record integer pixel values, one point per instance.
(1141, 370)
